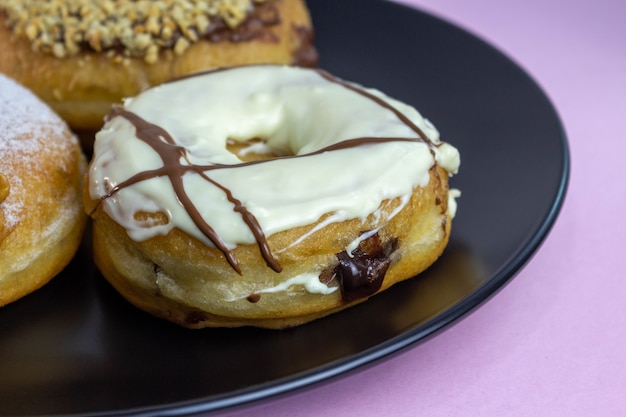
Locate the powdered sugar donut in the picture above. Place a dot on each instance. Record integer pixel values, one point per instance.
(265, 195)
(41, 213)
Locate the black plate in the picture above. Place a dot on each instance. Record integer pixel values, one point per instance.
(76, 347)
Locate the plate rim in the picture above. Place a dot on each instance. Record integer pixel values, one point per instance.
(419, 333)
(345, 367)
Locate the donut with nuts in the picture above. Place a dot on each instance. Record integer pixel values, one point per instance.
(82, 56)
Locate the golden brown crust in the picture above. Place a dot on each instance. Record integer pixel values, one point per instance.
(41, 213)
(82, 87)
(180, 279)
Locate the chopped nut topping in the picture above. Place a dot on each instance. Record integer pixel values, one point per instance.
(127, 28)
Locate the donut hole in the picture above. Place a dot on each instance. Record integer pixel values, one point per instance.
(153, 219)
(252, 150)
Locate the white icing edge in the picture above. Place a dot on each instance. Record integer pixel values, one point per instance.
(356, 242)
(453, 195)
(310, 281)
(336, 217)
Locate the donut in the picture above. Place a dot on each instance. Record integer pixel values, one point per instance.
(41, 212)
(81, 56)
(276, 196)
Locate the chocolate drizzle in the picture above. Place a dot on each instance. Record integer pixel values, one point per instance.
(306, 54)
(255, 27)
(381, 103)
(163, 144)
(174, 169)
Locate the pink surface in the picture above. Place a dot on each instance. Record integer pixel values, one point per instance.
(553, 342)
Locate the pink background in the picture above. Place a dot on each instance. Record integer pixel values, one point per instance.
(553, 342)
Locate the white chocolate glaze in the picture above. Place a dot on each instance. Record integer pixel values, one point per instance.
(293, 111)
(309, 281)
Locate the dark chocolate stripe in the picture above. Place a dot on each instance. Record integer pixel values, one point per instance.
(378, 101)
(163, 144)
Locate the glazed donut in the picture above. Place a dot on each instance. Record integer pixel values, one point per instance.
(41, 211)
(277, 196)
(80, 56)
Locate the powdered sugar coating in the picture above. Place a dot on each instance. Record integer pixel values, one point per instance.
(41, 214)
(28, 127)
